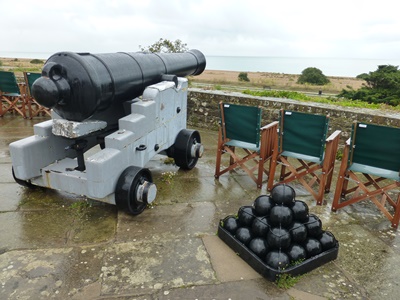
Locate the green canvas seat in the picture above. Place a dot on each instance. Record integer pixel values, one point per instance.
(35, 109)
(370, 168)
(11, 97)
(240, 127)
(304, 152)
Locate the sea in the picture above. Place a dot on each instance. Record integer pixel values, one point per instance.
(340, 67)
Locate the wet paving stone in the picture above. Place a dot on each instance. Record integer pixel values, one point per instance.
(34, 229)
(11, 195)
(179, 220)
(332, 283)
(364, 256)
(143, 267)
(57, 273)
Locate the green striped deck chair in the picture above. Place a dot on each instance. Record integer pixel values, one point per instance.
(11, 98)
(304, 152)
(240, 128)
(370, 170)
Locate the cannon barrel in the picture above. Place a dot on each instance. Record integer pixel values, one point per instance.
(77, 85)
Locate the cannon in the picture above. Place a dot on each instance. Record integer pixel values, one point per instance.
(111, 114)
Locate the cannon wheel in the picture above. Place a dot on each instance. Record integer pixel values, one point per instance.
(22, 182)
(126, 192)
(183, 148)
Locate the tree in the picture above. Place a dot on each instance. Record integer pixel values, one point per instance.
(243, 76)
(382, 86)
(166, 46)
(313, 76)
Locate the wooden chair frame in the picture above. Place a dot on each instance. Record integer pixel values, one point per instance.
(363, 183)
(309, 170)
(255, 156)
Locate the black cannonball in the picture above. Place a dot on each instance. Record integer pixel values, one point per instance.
(283, 194)
(263, 205)
(260, 227)
(298, 232)
(259, 246)
(327, 240)
(243, 235)
(277, 260)
(300, 211)
(246, 216)
(312, 246)
(278, 238)
(281, 215)
(314, 226)
(230, 224)
(296, 253)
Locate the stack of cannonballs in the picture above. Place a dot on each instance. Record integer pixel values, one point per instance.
(279, 229)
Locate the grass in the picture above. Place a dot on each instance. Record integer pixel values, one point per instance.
(326, 100)
(80, 206)
(25, 69)
(168, 177)
(286, 281)
(20, 65)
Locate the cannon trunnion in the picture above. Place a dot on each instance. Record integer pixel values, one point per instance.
(112, 113)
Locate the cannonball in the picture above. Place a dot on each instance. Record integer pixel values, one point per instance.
(314, 226)
(281, 215)
(278, 238)
(260, 227)
(245, 216)
(283, 194)
(277, 260)
(300, 211)
(296, 253)
(298, 232)
(243, 235)
(259, 246)
(263, 205)
(327, 240)
(312, 246)
(230, 224)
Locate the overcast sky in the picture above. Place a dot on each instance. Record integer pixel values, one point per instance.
(291, 28)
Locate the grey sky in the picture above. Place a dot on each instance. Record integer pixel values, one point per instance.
(291, 28)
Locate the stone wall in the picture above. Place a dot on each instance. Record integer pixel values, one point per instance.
(203, 110)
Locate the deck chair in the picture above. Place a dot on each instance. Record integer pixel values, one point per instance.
(304, 153)
(370, 168)
(34, 108)
(12, 95)
(247, 144)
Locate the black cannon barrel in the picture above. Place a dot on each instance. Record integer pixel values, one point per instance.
(76, 85)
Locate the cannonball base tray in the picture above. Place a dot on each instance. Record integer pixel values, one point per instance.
(270, 273)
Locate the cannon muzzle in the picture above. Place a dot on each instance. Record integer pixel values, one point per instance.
(77, 85)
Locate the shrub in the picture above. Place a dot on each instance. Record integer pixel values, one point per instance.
(313, 76)
(36, 61)
(382, 87)
(243, 76)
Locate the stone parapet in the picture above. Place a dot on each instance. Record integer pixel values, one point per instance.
(203, 110)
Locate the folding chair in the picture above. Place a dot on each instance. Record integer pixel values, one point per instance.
(34, 107)
(11, 98)
(240, 128)
(370, 168)
(304, 152)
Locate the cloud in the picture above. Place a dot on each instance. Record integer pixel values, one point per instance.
(360, 29)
